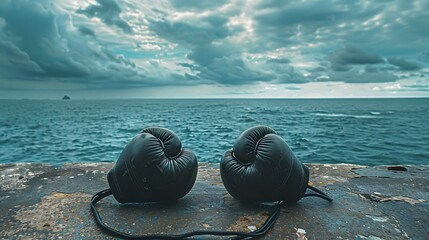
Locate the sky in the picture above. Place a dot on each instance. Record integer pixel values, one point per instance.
(102, 49)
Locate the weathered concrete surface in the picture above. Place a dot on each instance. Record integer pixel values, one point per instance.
(39, 201)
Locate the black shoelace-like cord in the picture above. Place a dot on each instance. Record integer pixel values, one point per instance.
(238, 235)
(318, 193)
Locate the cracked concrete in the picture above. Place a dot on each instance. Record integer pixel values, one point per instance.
(41, 201)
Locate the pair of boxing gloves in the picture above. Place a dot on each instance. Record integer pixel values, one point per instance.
(154, 167)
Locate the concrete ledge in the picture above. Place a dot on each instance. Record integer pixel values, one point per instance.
(42, 201)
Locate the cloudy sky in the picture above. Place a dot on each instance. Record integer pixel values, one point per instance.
(213, 49)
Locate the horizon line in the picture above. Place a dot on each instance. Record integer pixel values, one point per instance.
(225, 98)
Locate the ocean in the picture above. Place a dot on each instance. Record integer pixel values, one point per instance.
(359, 131)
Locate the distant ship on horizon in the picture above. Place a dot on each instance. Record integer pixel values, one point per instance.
(66, 97)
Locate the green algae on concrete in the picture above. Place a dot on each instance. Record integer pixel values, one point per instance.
(42, 201)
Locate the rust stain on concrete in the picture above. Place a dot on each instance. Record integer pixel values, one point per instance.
(244, 223)
(328, 174)
(55, 213)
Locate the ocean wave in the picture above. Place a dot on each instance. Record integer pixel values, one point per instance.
(339, 115)
(365, 116)
(223, 129)
(130, 130)
(246, 119)
(107, 117)
(187, 130)
(36, 126)
(303, 140)
(329, 131)
(265, 110)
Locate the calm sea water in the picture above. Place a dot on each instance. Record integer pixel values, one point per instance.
(360, 131)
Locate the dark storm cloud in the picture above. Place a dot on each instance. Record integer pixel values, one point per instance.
(352, 55)
(424, 57)
(202, 31)
(230, 71)
(335, 66)
(109, 12)
(17, 62)
(298, 13)
(278, 60)
(217, 62)
(36, 40)
(223, 42)
(204, 55)
(367, 26)
(86, 31)
(293, 88)
(370, 69)
(361, 77)
(291, 22)
(42, 47)
(318, 69)
(197, 4)
(207, 40)
(344, 57)
(286, 74)
(368, 34)
(403, 64)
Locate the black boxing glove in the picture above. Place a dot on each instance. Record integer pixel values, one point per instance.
(153, 167)
(261, 167)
